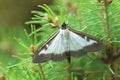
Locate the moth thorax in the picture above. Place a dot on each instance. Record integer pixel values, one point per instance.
(66, 34)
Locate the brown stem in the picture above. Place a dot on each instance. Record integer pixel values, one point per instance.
(68, 72)
(109, 38)
(107, 20)
(41, 72)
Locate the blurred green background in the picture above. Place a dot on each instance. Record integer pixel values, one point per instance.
(84, 15)
(13, 15)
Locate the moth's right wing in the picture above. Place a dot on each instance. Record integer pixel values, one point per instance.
(98, 45)
(38, 58)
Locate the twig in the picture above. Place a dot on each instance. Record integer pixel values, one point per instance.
(107, 20)
(68, 72)
(113, 58)
(109, 46)
(41, 71)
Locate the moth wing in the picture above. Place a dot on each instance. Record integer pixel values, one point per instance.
(87, 42)
(52, 49)
(43, 57)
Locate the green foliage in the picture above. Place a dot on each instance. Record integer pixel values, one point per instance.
(87, 16)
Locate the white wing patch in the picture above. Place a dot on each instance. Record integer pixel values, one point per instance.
(66, 40)
(77, 42)
(56, 45)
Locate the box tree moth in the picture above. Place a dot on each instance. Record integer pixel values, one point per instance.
(65, 43)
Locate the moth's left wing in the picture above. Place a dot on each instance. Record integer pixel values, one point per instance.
(88, 42)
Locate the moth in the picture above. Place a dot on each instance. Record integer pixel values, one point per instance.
(65, 43)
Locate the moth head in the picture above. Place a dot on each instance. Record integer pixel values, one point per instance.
(64, 25)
